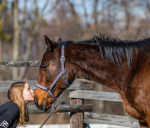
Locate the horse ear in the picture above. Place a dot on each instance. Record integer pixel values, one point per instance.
(50, 44)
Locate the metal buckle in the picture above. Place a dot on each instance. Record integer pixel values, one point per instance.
(62, 59)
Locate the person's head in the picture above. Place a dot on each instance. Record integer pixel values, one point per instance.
(20, 94)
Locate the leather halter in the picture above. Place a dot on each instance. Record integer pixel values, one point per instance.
(63, 72)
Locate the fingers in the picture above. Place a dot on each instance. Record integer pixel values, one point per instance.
(56, 110)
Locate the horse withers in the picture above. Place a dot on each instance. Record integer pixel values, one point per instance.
(121, 65)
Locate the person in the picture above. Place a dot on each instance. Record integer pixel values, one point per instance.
(15, 112)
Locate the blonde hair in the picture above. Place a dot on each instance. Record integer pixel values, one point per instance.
(15, 94)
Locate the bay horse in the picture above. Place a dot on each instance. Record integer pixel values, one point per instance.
(118, 64)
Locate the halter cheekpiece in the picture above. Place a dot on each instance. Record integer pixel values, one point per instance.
(63, 72)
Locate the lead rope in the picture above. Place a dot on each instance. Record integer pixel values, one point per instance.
(52, 110)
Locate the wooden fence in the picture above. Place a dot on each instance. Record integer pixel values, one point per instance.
(79, 112)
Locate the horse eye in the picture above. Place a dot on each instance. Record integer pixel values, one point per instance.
(44, 67)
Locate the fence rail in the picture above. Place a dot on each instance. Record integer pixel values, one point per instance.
(95, 95)
(20, 63)
(80, 84)
(111, 119)
(79, 92)
(62, 108)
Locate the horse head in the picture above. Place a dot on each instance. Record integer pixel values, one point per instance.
(55, 74)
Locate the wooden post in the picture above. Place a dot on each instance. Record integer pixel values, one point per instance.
(76, 118)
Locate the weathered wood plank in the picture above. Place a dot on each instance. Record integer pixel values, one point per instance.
(76, 118)
(107, 96)
(82, 84)
(20, 63)
(111, 119)
(62, 108)
(4, 85)
(77, 84)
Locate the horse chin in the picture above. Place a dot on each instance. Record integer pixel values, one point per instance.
(39, 107)
(46, 109)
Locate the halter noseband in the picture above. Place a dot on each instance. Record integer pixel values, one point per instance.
(63, 72)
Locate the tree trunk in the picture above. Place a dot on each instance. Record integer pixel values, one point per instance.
(1, 59)
(95, 12)
(15, 38)
(1, 53)
(75, 16)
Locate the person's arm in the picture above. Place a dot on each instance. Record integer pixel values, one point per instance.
(7, 119)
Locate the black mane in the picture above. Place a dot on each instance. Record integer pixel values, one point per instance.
(115, 50)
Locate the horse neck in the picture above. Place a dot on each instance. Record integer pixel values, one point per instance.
(91, 65)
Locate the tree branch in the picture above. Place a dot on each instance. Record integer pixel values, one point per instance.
(31, 38)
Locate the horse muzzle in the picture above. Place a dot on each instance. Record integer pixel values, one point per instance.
(43, 106)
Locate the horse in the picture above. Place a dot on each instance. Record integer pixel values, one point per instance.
(121, 65)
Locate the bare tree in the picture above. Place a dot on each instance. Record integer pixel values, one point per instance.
(95, 12)
(20, 25)
(75, 15)
(15, 37)
(3, 36)
(85, 13)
